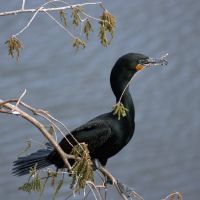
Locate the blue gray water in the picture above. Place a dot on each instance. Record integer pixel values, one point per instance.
(163, 156)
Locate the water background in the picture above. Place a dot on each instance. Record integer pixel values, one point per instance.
(163, 156)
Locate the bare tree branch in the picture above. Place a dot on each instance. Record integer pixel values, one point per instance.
(42, 129)
(28, 24)
(107, 23)
(41, 9)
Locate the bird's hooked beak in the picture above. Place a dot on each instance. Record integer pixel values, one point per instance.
(151, 62)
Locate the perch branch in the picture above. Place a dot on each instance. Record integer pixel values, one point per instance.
(41, 127)
(43, 114)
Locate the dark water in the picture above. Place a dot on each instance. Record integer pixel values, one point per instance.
(164, 155)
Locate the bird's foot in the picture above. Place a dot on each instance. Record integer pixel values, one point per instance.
(96, 164)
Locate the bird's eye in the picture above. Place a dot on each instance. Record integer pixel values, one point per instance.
(143, 61)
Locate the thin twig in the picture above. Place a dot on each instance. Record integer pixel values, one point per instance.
(69, 196)
(87, 194)
(32, 18)
(50, 119)
(59, 24)
(43, 114)
(5, 112)
(172, 195)
(90, 187)
(23, 4)
(32, 10)
(96, 187)
(20, 98)
(65, 127)
(89, 16)
(129, 84)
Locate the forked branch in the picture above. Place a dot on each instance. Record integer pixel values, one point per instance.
(79, 18)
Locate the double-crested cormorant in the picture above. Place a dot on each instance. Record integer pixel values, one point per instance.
(105, 135)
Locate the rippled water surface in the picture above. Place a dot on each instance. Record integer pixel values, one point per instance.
(164, 154)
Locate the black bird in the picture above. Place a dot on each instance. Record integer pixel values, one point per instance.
(105, 135)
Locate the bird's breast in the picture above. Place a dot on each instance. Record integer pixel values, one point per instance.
(122, 133)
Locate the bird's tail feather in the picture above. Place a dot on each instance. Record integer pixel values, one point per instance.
(37, 159)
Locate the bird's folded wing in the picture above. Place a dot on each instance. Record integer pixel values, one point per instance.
(94, 133)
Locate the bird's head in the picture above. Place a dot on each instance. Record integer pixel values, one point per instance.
(127, 65)
(131, 63)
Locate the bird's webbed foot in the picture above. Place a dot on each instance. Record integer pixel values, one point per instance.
(96, 166)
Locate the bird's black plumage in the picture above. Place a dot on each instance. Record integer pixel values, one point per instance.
(105, 134)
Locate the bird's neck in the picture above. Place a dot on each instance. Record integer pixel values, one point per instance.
(127, 101)
(124, 97)
(119, 84)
